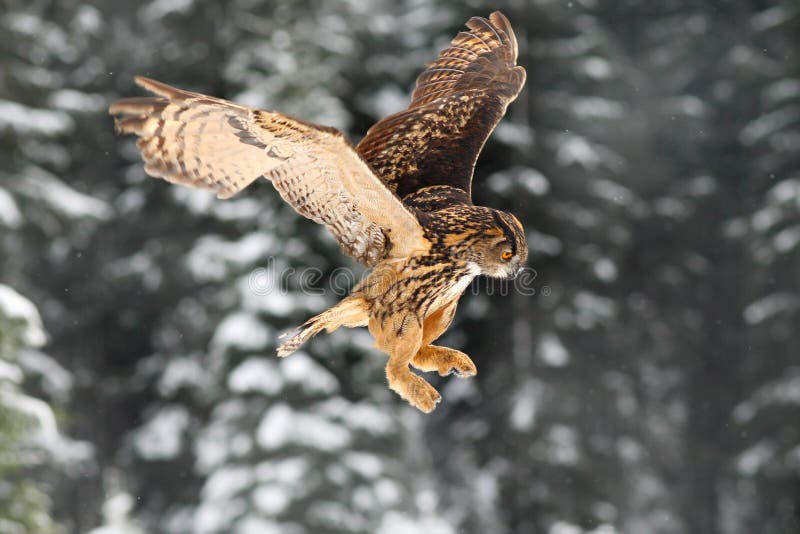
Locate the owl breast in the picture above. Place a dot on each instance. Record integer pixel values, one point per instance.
(452, 290)
(463, 281)
(421, 286)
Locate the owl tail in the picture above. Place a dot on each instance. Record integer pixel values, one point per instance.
(350, 312)
(291, 340)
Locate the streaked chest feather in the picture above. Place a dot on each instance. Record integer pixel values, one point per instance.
(419, 288)
(462, 282)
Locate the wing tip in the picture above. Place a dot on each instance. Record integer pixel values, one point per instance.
(129, 125)
(137, 105)
(161, 88)
(142, 81)
(499, 24)
(498, 18)
(142, 106)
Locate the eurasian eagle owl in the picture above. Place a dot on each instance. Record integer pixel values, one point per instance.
(399, 202)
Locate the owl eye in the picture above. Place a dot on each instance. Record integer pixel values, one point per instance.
(507, 255)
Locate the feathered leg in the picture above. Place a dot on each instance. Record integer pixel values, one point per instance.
(443, 360)
(400, 337)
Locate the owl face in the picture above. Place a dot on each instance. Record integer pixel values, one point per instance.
(501, 251)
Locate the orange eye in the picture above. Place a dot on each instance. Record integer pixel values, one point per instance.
(507, 255)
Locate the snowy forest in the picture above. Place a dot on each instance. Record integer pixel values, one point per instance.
(647, 382)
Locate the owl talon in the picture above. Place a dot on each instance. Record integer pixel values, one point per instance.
(415, 390)
(462, 367)
(462, 372)
(445, 361)
(423, 396)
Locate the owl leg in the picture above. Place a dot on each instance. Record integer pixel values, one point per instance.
(441, 359)
(400, 338)
(445, 361)
(350, 312)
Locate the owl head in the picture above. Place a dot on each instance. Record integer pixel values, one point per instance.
(501, 250)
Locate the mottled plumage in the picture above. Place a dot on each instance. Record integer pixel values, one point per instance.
(400, 202)
(210, 143)
(458, 101)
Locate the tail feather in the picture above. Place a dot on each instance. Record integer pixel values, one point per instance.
(291, 340)
(350, 312)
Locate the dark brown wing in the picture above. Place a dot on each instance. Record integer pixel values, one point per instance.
(209, 143)
(457, 103)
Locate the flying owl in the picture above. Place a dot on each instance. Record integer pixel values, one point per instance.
(399, 202)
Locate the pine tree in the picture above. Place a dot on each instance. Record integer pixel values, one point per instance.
(641, 378)
(34, 455)
(762, 482)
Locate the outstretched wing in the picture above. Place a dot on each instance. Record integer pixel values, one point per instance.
(458, 101)
(208, 143)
